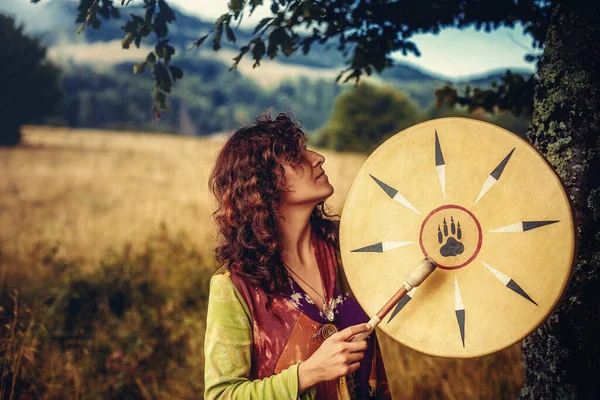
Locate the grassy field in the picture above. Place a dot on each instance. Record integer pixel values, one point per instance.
(121, 221)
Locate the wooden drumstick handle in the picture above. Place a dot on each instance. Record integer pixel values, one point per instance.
(416, 277)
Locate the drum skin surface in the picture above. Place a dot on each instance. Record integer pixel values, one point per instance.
(487, 207)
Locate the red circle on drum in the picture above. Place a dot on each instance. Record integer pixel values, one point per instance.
(479, 234)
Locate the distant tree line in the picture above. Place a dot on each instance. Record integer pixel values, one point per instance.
(210, 100)
(341, 118)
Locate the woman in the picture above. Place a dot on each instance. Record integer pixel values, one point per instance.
(280, 315)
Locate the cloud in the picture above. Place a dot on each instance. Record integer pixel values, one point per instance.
(103, 55)
(40, 17)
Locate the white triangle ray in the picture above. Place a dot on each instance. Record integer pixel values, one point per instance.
(441, 171)
(486, 186)
(458, 302)
(385, 246)
(518, 227)
(402, 200)
(501, 277)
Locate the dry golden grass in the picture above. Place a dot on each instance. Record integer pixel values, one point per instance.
(91, 189)
(94, 190)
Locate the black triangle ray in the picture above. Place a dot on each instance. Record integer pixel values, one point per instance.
(460, 317)
(500, 168)
(512, 285)
(439, 156)
(372, 248)
(386, 188)
(403, 302)
(529, 225)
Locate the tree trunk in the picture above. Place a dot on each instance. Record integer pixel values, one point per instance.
(562, 355)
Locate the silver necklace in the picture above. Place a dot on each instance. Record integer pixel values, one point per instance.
(327, 308)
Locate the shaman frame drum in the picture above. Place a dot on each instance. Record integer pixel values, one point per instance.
(491, 212)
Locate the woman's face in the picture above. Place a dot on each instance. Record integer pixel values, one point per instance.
(307, 183)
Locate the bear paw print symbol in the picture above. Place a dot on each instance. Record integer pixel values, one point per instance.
(453, 246)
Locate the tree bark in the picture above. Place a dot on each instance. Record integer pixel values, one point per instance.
(562, 355)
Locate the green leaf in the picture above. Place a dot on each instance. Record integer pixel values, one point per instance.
(150, 60)
(254, 4)
(126, 42)
(176, 73)
(149, 14)
(306, 46)
(258, 50)
(164, 17)
(219, 31)
(155, 113)
(131, 26)
(236, 6)
(160, 27)
(162, 77)
(278, 37)
(139, 67)
(137, 19)
(166, 11)
(238, 58)
(96, 24)
(161, 99)
(198, 42)
(263, 22)
(229, 32)
(164, 50)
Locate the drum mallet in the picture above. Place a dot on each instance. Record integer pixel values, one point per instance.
(416, 277)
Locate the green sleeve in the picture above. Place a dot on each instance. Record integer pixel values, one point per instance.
(228, 350)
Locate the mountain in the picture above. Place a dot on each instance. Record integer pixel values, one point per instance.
(102, 92)
(492, 76)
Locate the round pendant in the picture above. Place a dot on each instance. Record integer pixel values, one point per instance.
(327, 330)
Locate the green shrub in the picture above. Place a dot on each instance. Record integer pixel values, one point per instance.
(131, 328)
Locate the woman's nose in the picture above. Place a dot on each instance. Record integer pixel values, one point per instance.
(318, 159)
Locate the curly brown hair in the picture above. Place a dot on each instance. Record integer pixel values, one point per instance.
(248, 182)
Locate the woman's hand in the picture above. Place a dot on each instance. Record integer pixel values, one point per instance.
(336, 357)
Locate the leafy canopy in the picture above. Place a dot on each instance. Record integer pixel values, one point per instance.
(368, 31)
(365, 31)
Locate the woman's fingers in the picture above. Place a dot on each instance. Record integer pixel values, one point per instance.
(336, 356)
(353, 367)
(354, 357)
(361, 345)
(350, 331)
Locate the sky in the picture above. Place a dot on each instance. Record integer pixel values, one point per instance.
(453, 53)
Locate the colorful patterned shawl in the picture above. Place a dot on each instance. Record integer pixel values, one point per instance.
(288, 332)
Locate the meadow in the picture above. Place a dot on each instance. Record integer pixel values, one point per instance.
(105, 259)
